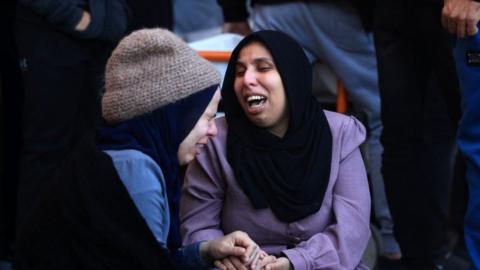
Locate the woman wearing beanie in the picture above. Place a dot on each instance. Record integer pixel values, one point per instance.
(114, 205)
(280, 168)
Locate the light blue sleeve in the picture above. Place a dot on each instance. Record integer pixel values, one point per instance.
(145, 183)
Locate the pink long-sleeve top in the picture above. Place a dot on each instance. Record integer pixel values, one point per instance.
(213, 204)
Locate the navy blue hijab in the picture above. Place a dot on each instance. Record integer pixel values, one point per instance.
(158, 134)
(290, 174)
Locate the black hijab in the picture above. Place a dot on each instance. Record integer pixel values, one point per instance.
(290, 174)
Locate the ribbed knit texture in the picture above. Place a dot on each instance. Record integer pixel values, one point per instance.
(149, 69)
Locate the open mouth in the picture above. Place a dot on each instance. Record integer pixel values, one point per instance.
(255, 101)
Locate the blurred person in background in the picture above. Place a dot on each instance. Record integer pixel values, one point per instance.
(420, 109)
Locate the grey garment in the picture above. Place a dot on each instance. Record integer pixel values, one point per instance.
(332, 32)
(197, 19)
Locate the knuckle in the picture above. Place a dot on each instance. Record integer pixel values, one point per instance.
(446, 13)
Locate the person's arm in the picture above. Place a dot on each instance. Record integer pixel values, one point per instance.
(241, 28)
(145, 183)
(460, 17)
(202, 199)
(202, 254)
(340, 245)
(104, 19)
(58, 12)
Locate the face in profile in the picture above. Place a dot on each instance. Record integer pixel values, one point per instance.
(259, 89)
(204, 129)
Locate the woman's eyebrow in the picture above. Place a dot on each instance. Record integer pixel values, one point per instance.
(255, 60)
(262, 59)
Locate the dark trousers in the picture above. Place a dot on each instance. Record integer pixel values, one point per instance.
(62, 77)
(420, 101)
(11, 101)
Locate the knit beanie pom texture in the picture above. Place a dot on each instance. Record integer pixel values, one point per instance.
(151, 68)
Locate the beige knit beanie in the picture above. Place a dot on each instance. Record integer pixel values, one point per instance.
(149, 69)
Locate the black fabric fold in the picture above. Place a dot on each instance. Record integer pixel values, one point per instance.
(85, 219)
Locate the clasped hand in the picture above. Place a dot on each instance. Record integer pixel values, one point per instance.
(262, 262)
(238, 251)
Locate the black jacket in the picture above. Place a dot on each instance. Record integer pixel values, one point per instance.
(109, 18)
(85, 219)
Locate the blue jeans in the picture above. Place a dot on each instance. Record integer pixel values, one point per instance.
(469, 139)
